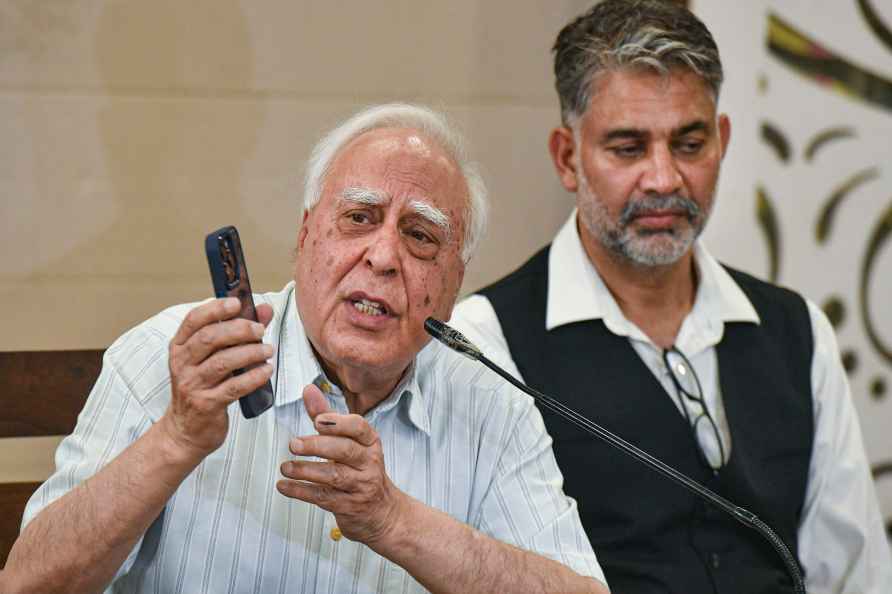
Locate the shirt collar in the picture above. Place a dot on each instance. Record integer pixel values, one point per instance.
(576, 291)
(718, 295)
(296, 366)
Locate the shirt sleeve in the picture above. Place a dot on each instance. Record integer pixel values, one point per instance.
(525, 504)
(842, 542)
(111, 420)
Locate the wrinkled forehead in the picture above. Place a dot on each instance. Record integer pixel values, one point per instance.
(399, 163)
(636, 99)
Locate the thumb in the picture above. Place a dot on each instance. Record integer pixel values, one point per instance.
(264, 313)
(314, 401)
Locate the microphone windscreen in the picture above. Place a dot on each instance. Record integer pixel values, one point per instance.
(452, 338)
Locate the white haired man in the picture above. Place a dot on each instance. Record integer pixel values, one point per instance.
(410, 470)
(625, 310)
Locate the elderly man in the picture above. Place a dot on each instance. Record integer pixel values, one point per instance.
(411, 470)
(629, 320)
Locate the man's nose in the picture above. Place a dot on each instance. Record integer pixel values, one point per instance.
(662, 175)
(382, 254)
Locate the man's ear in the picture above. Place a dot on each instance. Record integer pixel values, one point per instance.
(461, 279)
(302, 232)
(562, 147)
(724, 132)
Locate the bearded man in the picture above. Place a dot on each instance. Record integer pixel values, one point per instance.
(628, 319)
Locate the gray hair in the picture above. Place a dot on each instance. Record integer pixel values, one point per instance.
(431, 124)
(627, 34)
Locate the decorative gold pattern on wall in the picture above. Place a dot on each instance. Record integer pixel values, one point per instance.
(831, 71)
(824, 67)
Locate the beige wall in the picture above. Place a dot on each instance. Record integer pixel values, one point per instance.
(130, 129)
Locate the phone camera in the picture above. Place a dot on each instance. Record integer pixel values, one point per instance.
(230, 266)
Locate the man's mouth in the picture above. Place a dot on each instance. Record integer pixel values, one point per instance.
(657, 211)
(659, 217)
(369, 307)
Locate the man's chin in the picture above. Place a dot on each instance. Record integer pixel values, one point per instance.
(657, 249)
(373, 355)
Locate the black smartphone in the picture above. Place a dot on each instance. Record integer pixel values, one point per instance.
(230, 277)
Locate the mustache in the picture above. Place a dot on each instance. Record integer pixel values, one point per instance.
(648, 204)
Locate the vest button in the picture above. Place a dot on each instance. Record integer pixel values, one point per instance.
(715, 560)
(336, 534)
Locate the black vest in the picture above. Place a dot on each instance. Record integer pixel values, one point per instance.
(650, 534)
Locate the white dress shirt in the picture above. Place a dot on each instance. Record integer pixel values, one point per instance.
(453, 435)
(842, 543)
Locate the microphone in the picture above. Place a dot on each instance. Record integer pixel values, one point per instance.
(452, 338)
(457, 341)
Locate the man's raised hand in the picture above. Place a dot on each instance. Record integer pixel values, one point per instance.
(351, 481)
(210, 344)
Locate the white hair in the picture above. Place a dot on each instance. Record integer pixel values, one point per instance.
(431, 124)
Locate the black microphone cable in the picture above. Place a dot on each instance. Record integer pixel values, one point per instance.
(456, 341)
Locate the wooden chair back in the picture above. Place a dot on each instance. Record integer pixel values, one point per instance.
(42, 394)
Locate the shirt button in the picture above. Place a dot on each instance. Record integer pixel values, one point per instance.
(335, 534)
(715, 560)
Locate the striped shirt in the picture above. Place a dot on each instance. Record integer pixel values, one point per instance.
(454, 436)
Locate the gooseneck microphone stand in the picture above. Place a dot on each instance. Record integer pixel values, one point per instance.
(456, 341)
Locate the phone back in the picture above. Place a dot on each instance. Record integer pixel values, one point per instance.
(229, 275)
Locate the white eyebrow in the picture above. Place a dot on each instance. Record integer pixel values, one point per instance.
(419, 207)
(432, 214)
(364, 196)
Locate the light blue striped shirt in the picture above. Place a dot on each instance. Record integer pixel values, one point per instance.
(454, 436)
